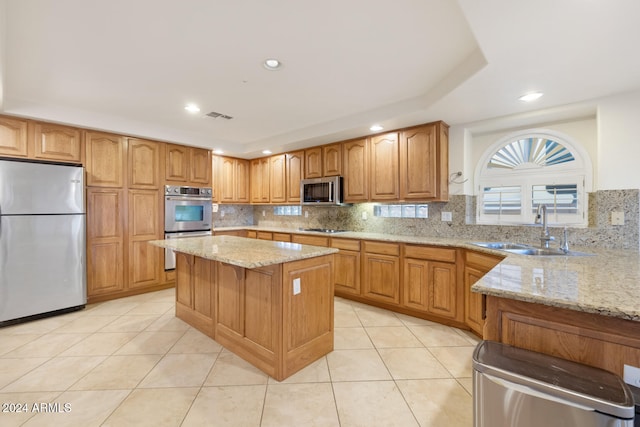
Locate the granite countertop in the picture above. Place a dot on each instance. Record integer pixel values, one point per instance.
(243, 252)
(607, 283)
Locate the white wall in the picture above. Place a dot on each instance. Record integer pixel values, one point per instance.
(619, 142)
(611, 139)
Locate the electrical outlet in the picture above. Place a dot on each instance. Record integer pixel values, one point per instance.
(306, 214)
(214, 207)
(631, 375)
(446, 216)
(264, 213)
(617, 218)
(364, 216)
(222, 214)
(296, 286)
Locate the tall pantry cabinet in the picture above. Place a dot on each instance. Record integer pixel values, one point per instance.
(124, 211)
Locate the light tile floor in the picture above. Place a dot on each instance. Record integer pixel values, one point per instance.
(130, 362)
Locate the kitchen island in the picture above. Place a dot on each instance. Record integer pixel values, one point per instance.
(270, 303)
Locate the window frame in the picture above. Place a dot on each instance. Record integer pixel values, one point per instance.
(527, 175)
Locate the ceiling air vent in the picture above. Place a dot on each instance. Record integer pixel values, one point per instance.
(215, 115)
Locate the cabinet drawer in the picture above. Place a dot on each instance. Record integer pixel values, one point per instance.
(310, 240)
(348, 244)
(382, 248)
(252, 234)
(264, 235)
(482, 261)
(430, 253)
(282, 237)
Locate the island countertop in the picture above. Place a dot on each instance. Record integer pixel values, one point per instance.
(243, 252)
(607, 283)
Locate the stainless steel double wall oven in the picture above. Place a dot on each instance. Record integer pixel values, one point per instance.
(187, 213)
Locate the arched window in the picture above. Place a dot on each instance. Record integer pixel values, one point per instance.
(531, 168)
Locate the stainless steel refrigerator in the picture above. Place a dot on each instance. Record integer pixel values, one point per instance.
(42, 240)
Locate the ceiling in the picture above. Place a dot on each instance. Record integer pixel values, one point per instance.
(131, 66)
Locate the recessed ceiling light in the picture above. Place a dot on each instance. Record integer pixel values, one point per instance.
(266, 151)
(272, 64)
(530, 96)
(376, 128)
(216, 151)
(192, 108)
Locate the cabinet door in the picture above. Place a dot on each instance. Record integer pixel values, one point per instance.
(418, 163)
(295, 170)
(55, 142)
(199, 167)
(313, 162)
(242, 181)
(230, 298)
(227, 179)
(177, 164)
(13, 137)
(106, 157)
(184, 279)
(105, 241)
(203, 270)
(442, 290)
(415, 284)
(260, 180)
(347, 272)
(146, 262)
(474, 303)
(356, 170)
(143, 164)
(215, 178)
(381, 277)
(332, 160)
(384, 175)
(278, 179)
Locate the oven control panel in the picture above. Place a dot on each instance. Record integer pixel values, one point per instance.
(176, 190)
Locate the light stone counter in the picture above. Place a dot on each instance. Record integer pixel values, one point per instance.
(607, 283)
(243, 252)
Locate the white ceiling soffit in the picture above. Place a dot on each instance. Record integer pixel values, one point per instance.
(131, 66)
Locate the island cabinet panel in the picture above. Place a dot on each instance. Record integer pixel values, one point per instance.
(307, 311)
(13, 137)
(230, 299)
(261, 307)
(592, 339)
(195, 303)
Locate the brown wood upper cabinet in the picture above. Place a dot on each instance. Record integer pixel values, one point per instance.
(295, 172)
(55, 142)
(144, 164)
(356, 170)
(278, 179)
(231, 180)
(13, 137)
(260, 180)
(322, 161)
(106, 157)
(384, 169)
(424, 169)
(187, 165)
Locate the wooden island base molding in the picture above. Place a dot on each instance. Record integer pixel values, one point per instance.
(271, 303)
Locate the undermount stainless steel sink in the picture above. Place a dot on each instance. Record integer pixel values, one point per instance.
(522, 249)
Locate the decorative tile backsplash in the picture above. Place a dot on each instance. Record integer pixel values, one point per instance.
(599, 233)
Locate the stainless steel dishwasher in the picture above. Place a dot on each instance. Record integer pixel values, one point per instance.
(521, 388)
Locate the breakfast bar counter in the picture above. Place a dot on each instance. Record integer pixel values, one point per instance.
(270, 303)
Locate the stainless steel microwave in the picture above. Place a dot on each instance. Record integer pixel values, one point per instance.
(321, 191)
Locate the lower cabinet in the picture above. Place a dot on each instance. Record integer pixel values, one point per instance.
(347, 265)
(381, 272)
(476, 265)
(194, 293)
